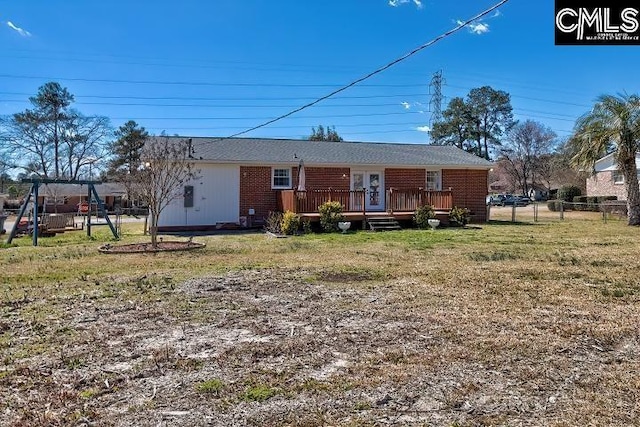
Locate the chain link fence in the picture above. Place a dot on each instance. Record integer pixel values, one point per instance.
(558, 210)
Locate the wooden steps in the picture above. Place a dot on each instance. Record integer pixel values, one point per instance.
(383, 223)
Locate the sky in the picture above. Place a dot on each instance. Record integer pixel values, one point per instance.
(220, 67)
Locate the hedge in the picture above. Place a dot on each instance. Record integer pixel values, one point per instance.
(581, 203)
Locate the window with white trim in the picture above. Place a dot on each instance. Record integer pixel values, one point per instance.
(280, 178)
(433, 180)
(617, 177)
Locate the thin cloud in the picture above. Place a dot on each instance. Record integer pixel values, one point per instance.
(476, 27)
(406, 105)
(425, 129)
(396, 3)
(479, 28)
(21, 31)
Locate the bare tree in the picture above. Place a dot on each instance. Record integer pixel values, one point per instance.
(52, 140)
(526, 144)
(166, 167)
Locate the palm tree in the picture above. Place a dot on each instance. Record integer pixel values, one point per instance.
(612, 124)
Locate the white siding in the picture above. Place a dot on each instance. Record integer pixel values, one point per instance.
(216, 198)
(607, 163)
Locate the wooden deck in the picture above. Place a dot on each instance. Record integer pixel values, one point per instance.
(359, 216)
(399, 203)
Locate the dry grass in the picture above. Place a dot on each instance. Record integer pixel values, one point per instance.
(508, 324)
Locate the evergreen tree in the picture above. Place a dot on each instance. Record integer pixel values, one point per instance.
(126, 149)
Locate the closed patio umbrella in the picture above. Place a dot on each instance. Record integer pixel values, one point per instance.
(301, 177)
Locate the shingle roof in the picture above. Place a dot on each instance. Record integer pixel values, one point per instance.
(289, 151)
(104, 189)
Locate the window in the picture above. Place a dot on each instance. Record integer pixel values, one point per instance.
(281, 178)
(617, 177)
(433, 180)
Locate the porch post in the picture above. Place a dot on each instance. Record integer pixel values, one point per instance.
(364, 209)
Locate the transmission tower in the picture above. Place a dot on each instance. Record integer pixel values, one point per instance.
(435, 103)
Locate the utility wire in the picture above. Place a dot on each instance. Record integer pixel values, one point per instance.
(182, 83)
(378, 71)
(183, 98)
(264, 118)
(140, 104)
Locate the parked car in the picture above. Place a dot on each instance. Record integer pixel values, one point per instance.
(495, 200)
(511, 200)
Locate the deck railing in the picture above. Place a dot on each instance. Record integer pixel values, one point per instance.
(408, 200)
(396, 200)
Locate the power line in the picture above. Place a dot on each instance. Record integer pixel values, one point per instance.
(183, 98)
(265, 118)
(182, 83)
(133, 104)
(367, 125)
(379, 70)
(398, 104)
(529, 98)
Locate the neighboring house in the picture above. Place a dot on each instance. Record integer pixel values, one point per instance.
(65, 198)
(607, 180)
(242, 180)
(538, 192)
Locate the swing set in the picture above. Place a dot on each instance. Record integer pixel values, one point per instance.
(37, 226)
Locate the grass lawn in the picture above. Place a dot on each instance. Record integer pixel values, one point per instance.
(503, 324)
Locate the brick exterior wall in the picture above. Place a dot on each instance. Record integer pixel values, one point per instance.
(601, 184)
(256, 192)
(324, 178)
(469, 188)
(404, 178)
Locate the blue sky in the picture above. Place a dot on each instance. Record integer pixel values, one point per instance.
(218, 67)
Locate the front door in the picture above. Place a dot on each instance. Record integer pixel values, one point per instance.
(372, 182)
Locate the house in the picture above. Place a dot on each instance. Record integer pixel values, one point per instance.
(66, 198)
(607, 180)
(538, 192)
(242, 180)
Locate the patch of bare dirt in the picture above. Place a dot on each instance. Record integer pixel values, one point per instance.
(273, 347)
(164, 246)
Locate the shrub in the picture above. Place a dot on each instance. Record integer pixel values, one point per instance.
(554, 205)
(568, 192)
(290, 223)
(615, 207)
(422, 216)
(590, 203)
(274, 223)
(580, 203)
(306, 226)
(330, 215)
(459, 216)
(12, 191)
(606, 198)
